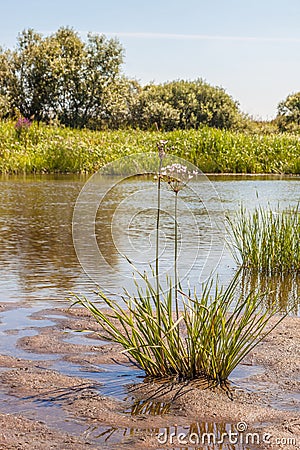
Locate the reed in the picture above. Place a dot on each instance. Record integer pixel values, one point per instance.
(44, 148)
(266, 240)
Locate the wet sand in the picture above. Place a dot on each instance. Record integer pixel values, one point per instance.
(44, 407)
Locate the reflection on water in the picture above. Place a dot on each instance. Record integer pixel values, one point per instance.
(151, 408)
(283, 291)
(37, 256)
(119, 381)
(114, 223)
(203, 435)
(51, 413)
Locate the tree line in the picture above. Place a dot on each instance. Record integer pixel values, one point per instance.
(79, 83)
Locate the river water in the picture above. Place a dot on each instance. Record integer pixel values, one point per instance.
(68, 233)
(115, 222)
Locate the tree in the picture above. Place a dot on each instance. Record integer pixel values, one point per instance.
(62, 76)
(80, 83)
(5, 99)
(288, 117)
(29, 78)
(84, 74)
(185, 104)
(120, 101)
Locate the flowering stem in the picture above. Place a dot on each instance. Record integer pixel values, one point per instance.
(157, 243)
(175, 257)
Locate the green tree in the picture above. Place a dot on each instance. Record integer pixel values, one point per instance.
(80, 84)
(185, 104)
(151, 109)
(5, 99)
(120, 100)
(29, 78)
(288, 117)
(61, 76)
(84, 73)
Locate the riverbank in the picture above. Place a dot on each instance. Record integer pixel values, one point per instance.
(52, 149)
(61, 389)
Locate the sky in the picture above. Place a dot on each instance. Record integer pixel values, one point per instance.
(250, 48)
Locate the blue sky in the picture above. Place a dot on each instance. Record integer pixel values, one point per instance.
(251, 48)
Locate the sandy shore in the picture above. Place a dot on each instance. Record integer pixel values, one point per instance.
(43, 407)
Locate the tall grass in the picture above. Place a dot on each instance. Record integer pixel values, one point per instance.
(213, 333)
(266, 240)
(55, 149)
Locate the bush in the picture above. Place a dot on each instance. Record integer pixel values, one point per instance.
(288, 117)
(59, 149)
(185, 105)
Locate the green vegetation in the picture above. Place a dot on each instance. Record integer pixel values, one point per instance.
(214, 332)
(206, 338)
(56, 89)
(45, 148)
(288, 118)
(185, 105)
(266, 240)
(61, 77)
(80, 84)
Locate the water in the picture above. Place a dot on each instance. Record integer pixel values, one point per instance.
(39, 266)
(109, 380)
(55, 417)
(17, 323)
(38, 261)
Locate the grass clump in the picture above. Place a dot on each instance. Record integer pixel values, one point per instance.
(213, 333)
(195, 336)
(266, 240)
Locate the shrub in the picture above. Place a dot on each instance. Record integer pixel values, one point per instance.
(288, 117)
(184, 105)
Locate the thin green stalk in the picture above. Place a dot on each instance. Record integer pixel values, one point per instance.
(175, 256)
(157, 244)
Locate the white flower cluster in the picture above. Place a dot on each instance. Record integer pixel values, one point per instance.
(177, 176)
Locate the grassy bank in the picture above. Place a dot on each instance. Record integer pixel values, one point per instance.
(54, 149)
